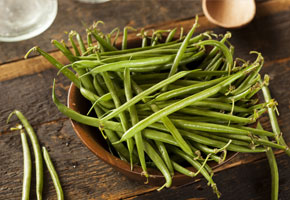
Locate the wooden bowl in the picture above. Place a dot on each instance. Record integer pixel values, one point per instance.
(93, 139)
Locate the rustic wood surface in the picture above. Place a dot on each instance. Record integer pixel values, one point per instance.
(26, 85)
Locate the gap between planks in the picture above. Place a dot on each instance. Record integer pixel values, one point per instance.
(38, 64)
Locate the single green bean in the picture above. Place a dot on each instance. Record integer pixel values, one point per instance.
(71, 34)
(26, 167)
(187, 89)
(145, 62)
(214, 114)
(182, 170)
(170, 36)
(218, 128)
(164, 154)
(159, 164)
(273, 118)
(273, 168)
(53, 174)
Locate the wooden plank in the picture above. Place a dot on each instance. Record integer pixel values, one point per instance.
(32, 95)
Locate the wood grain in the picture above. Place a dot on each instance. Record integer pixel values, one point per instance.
(26, 85)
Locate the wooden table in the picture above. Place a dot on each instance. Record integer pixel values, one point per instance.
(26, 85)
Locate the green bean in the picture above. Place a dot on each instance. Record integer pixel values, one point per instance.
(111, 135)
(81, 43)
(208, 151)
(250, 79)
(223, 139)
(159, 136)
(91, 121)
(133, 63)
(134, 120)
(165, 120)
(53, 174)
(146, 93)
(213, 61)
(123, 119)
(181, 51)
(183, 103)
(107, 46)
(218, 115)
(36, 150)
(164, 154)
(64, 50)
(223, 48)
(93, 97)
(26, 167)
(69, 74)
(125, 35)
(200, 168)
(182, 170)
(160, 76)
(197, 137)
(253, 140)
(97, 86)
(173, 44)
(71, 34)
(214, 67)
(215, 143)
(170, 35)
(218, 128)
(187, 90)
(215, 49)
(274, 169)
(206, 104)
(273, 118)
(159, 164)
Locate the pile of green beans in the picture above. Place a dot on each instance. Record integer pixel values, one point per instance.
(170, 103)
(27, 164)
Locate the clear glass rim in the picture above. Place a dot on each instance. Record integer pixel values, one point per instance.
(36, 32)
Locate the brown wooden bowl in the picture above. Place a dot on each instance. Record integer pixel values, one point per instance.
(93, 139)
